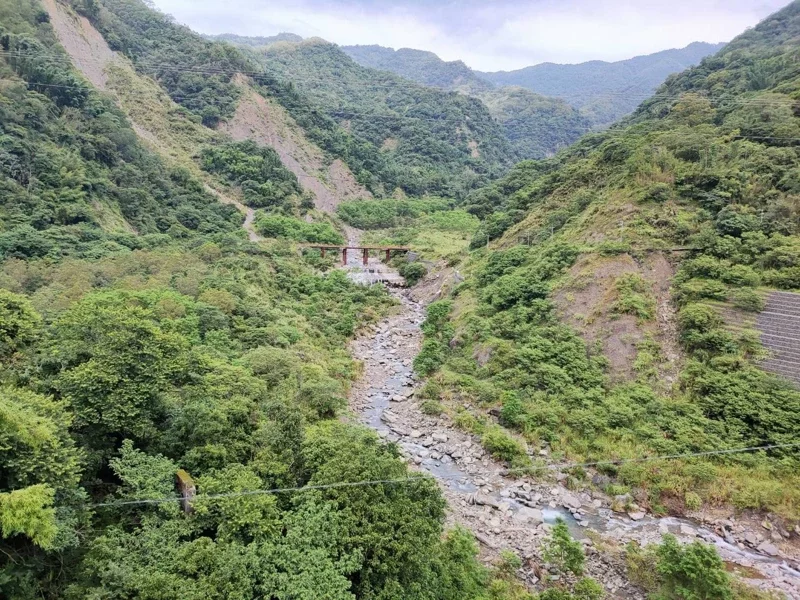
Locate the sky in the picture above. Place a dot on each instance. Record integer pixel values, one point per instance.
(488, 35)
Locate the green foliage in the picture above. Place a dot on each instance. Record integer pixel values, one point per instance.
(691, 572)
(34, 433)
(634, 297)
(277, 226)
(418, 139)
(18, 323)
(382, 214)
(536, 126)
(412, 272)
(258, 170)
(204, 86)
(748, 300)
(503, 446)
(438, 333)
(29, 512)
(74, 178)
(561, 551)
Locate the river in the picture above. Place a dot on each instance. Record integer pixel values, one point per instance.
(505, 512)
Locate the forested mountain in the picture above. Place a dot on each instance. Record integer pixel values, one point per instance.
(257, 41)
(144, 339)
(535, 125)
(392, 134)
(162, 334)
(420, 66)
(612, 314)
(429, 140)
(603, 91)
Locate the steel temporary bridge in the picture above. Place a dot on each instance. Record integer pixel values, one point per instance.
(365, 250)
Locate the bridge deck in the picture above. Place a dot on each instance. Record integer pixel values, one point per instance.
(344, 247)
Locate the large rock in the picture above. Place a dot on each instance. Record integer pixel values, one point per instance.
(769, 549)
(439, 437)
(529, 515)
(571, 501)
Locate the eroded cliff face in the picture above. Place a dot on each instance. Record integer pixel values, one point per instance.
(166, 129)
(267, 123)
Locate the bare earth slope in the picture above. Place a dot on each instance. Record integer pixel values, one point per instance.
(266, 123)
(165, 128)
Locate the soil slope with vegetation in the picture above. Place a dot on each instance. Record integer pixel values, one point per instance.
(606, 319)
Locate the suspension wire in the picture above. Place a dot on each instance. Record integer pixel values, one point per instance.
(423, 477)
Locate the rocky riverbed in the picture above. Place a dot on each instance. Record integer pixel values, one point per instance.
(516, 513)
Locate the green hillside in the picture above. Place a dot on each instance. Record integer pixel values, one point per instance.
(609, 317)
(232, 38)
(429, 139)
(420, 66)
(536, 126)
(415, 139)
(143, 338)
(605, 91)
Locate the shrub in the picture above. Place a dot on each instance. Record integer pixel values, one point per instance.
(18, 322)
(503, 446)
(692, 500)
(430, 357)
(413, 272)
(741, 275)
(693, 571)
(512, 413)
(659, 192)
(275, 226)
(561, 551)
(747, 299)
(634, 297)
(431, 407)
(588, 589)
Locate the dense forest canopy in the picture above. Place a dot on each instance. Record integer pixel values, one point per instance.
(142, 334)
(432, 141)
(536, 126)
(417, 139)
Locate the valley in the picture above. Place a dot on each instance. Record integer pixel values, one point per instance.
(584, 388)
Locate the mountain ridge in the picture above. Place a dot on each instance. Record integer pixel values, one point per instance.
(605, 91)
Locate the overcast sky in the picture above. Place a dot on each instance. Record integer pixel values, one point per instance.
(488, 35)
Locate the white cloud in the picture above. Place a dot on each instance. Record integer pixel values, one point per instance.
(503, 34)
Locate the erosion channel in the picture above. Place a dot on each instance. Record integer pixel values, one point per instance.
(511, 512)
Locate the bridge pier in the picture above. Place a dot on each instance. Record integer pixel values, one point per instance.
(388, 255)
(365, 257)
(323, 252)
(344, 257)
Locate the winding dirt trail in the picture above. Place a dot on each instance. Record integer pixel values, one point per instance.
(514, 513)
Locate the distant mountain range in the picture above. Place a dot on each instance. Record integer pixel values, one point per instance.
(541, 109)
(602, 91)
(605, 91)
(536, 125)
